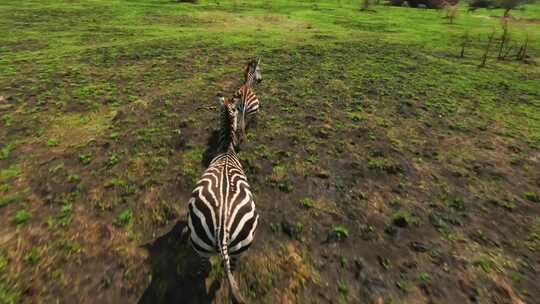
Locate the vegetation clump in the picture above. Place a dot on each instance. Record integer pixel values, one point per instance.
(532, 196)
(384, 165)
(124, 218)
(307, 203)
(435, 4)
(8, 199)
(21, 217)
(339, 233)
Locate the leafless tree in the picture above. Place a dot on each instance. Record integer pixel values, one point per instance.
(505, 38)
(464, 43)
(488, 46)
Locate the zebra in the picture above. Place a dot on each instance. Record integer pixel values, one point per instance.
(221, 213)
(248, 102)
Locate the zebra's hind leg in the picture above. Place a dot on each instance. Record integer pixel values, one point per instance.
(204, 265)
(184, 234)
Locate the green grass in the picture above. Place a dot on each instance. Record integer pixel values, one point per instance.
(22, 217)
(341, 232)
(74, 178)
(85, 158)
(33, 257)
(52, 142)
(307, 203)
(3, 261)
(383, 164)
(532, 196)
(8, 199)
(343, 287)
(424, 277)
(366, 119)
(5, 151)
(8, 173)
(124, 218)
(64, 216)
(486, 264)
(7, 296)
(113, 160)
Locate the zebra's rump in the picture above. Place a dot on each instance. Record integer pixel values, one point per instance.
(222, 211)
(250, 101)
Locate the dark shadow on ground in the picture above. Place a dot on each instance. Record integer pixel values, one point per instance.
(211, 149)
(176, 275)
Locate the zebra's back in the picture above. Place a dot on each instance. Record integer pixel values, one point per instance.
(250, 101)
(221, 209)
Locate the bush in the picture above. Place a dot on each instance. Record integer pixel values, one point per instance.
(507, 5)
(366, 5)
(452, 12)
(474, 4)
(436, 4)
(22, 217)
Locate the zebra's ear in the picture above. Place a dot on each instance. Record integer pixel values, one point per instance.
(258, 61)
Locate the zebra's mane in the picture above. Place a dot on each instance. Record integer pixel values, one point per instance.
(227, 129)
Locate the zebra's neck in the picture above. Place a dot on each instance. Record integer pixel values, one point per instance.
(227, 136)
(250, 80)
(226, 142)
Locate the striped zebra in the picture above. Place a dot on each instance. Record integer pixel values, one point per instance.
(222, 217)
(248, 102)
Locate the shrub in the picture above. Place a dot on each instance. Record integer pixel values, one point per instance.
(85, 158)
(124, 218)
(452, 12)
(532, 196)
(436, 4)
(475, 4)
(52, 142)
(307, 203)
(21, 217)
(366, 4)
(341, 232)
(9, 199)
(507, 5)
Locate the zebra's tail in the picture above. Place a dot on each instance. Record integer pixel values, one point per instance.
(233, 286)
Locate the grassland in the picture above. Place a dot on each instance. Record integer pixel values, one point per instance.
(385, 167)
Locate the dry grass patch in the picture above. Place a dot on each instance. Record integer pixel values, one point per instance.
(222, 21)
(77, 128)
(277, 274)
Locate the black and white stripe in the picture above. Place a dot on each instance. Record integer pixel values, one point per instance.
(252, 73)
(221, 209)
(248, 103)
(222, 218)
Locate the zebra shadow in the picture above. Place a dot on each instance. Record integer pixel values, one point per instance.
(211, 149)
(176, 275)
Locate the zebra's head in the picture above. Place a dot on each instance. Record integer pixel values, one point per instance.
(253, 71)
